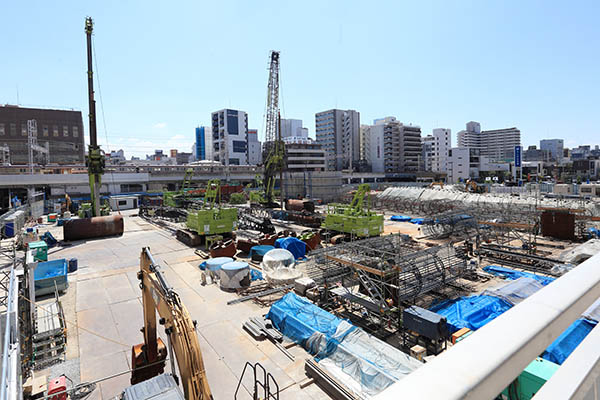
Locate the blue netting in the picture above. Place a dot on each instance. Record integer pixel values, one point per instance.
(294, 245)
(512, 274)
(564, 345)
(471, 312)
(417, 221)
(401, 218)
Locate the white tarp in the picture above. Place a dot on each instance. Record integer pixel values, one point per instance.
(372, 364)
(515, 291)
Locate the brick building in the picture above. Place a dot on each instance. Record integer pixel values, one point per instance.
(61, 131)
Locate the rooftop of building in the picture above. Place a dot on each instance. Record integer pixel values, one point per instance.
(37, 108)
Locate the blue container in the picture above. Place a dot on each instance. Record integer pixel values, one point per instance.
(47, 274)
(72, 265)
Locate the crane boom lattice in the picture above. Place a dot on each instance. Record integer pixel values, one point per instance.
(271, 129)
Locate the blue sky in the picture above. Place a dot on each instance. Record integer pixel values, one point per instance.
(165, 66)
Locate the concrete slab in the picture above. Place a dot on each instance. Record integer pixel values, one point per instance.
(236, 349)
(98, 333)
(221, 379)
(129, 319)
(90, 294)
(107, 305)
(106, 365)
(118, 288)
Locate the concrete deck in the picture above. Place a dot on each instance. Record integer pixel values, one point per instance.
(104, 312)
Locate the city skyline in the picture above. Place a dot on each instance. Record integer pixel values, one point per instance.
(435, 72)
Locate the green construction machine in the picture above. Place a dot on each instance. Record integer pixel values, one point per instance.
(210, 219)
(178, 198)
(354, 219)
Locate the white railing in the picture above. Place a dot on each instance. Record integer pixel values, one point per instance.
(481, 366)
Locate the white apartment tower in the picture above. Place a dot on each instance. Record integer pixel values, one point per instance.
(254, 148)
(497, 144)
(338, 132)
(442, 142)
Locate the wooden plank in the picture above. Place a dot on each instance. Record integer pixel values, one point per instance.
(356, 265)
(587, 217)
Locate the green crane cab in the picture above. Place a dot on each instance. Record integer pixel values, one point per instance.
(354, 219)
(212, 219)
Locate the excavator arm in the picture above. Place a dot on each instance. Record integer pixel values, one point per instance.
(148, 358)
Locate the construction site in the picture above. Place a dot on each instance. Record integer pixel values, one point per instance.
(227, 291)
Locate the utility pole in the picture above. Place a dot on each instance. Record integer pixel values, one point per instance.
(95, 161)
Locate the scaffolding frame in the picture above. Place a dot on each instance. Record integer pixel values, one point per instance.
(380, 275)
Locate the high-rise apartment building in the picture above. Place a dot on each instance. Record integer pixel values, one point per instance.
(60, 131)
(390, 146)
(554, 148)
(203, 148)
(372, 146)
(338, 132)
(442, 142)
(402, 147)
(254, 148)
(230, 137)
(497, 144)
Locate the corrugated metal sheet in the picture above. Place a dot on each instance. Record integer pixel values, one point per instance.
(161, 387)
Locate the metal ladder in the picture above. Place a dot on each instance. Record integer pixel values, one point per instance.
(373, 291)
(263, 387)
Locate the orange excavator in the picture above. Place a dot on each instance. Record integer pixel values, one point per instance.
(148, 358)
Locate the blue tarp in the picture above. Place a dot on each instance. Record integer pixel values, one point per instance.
(294, 245)
(471, 312)
(417, 221)
(255, 275)
(512, 274)
(564, 345)
(594, 232)
(401, 218)
(341, 348)
(299, 319)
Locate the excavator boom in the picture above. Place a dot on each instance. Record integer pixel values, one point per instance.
(148, 358)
